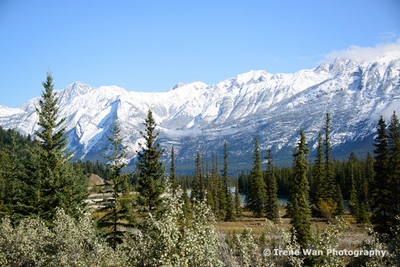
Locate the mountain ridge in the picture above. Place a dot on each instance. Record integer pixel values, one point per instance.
(195, 116)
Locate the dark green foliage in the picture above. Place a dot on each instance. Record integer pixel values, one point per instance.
(353, 201)
(380, 188)
(329, 183)
(230, 207)
(198, 185)
(368, 174)
(150, 168)
(172, 175)
(256, 196)
(117, 214)
(51, 181)
(317, 178)
(386, 186)
(358, 190)
(11, 175)
(394, 166)
(298, 206)
(338, 200)
(271, 204)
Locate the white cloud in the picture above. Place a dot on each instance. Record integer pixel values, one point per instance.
(365, 53)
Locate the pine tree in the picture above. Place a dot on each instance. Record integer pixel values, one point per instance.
(298, 208)
(11, 175)
(317, 184)
(117, 214)
(198, 184)
(172, 176)
(394, 166)
(329, 195)
(256, 197)
(52, 182)
(220, 192)
(381, 199)
(238, 209)
(363, 192)
(271, 205)
(150, 169)
(353, 202)
(369, 176)
(329, 179)
(229, 209)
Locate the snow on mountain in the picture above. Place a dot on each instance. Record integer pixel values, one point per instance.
(196, 115)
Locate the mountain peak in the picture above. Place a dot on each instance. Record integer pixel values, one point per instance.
(252, 76)
(195, 85)
(73, 90)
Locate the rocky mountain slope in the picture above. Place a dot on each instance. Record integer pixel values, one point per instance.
(196, 116)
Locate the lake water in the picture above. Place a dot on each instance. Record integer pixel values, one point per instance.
(282, 200)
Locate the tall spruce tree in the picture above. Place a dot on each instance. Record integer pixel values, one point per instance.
(381, 199)
(271, 204)
(52, 181)
(117, 215)
(172, 175)
(331, 190)
(394, 166)
(150, 168)
(220, 193)
(353, 201)
(229, 208)
(329, 179)
(317, 184)
(198, 184)
(238, 209)
(256, 195)
(298, 207)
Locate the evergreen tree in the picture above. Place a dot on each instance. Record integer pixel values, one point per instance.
(116, 214)
(298, 208)
(172, 176)
(237, 200)
(394, 166)
(353, 202)
(381, 199)
(52, 181)
(220, 191)
(198, 184)
(317, 184)
(329, 179)
(369, 177)
(271, 205)
(11, 174)
(229, 209)
(256, 196)
(150, 168)
(363, 195)
(330, 196)
(338, 199)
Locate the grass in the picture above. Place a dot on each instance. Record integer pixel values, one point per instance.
(349, 240)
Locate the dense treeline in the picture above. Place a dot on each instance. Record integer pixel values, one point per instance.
(343, 170)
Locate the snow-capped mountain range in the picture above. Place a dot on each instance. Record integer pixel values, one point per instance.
(199, 117)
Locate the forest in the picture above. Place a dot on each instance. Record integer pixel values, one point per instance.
(153, 217)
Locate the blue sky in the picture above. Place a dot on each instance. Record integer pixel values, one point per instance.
(152, 45)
